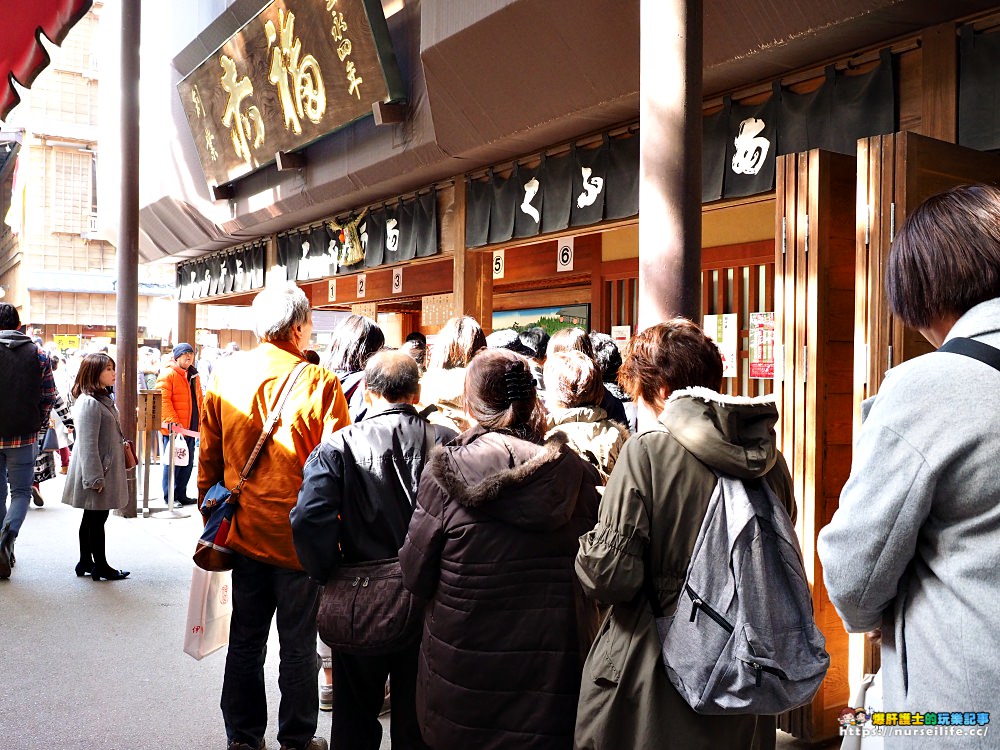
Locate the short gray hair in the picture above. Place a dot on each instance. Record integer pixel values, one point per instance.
(277, 310)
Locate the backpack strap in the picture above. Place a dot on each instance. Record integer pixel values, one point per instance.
(985, 353)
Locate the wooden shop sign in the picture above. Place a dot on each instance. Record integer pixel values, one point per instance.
(299, 70)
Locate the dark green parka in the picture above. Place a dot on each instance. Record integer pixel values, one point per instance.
(652, 510)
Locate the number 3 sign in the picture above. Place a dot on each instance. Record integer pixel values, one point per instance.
(397, 281)
(564, 255)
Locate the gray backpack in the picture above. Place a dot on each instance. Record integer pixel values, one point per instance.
(743, 639)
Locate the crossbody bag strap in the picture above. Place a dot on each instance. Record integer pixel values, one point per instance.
(114, 414)
(270, 422)
(985, 353)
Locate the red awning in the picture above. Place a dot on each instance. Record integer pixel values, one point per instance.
(22, 55)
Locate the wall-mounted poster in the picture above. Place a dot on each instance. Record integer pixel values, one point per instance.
(724, 330)
(552, 319)
(762, 345)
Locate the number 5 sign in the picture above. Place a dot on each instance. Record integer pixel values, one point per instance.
(564, 255)
(498, 264)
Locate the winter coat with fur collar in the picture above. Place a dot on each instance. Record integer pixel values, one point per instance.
(651, 513)
(491, 546)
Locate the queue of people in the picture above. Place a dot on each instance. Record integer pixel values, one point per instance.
(547, 537)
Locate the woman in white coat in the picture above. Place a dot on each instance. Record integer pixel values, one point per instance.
(914, 548)
(96, 480)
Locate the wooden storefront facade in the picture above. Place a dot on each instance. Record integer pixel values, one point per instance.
(811, 252)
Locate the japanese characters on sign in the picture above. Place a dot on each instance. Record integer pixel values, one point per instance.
(299, 70)
(762, 345)
(724, 331)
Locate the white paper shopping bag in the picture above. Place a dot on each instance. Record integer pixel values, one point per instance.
(210, 608)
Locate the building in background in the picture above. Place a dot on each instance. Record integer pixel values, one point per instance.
(56, 266)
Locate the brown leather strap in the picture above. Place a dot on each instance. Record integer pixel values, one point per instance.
(272, 420)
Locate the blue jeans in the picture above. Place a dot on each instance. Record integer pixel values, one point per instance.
(260, 590)
(17, 468)
(182, 474)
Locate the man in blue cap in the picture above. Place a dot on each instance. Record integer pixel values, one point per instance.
(181, 389)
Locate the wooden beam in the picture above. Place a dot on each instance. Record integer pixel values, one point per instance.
(472, 273)
(939, 93)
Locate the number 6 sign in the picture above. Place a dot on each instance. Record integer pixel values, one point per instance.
(564, 255)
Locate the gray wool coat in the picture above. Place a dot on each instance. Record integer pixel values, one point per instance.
(98, 458)
(914, 547)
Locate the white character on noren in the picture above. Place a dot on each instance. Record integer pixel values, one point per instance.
(751, 149)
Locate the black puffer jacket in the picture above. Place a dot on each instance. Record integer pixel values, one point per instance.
(491, 546)
(359, 488)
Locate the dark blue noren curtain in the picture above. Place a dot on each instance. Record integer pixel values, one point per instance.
(505, 200)
(589, 186)
(425, 220)
(372, 231)
(320, 256)
(530, 202)
(259, 255)
(215, 275)
(395, 230)
(408, 230)
(204, 278)
(288, 256)
(622, 200)
(979, 90)
(558, 179)
(803, 118)
(230, 261)
(478, 201)
(750, 149)
(714, 129)
(863, 105)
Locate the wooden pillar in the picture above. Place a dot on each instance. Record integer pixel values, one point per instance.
(670, 160)
(127, 305)
(939, 92)
(187, 313)
(472, 273)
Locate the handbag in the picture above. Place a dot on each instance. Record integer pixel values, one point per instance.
(366, 610)
(50, 443)
(128, 446)
(131, 459)
(210, 609)
(219, 504)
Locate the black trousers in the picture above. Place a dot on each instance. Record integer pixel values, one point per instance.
(358, 691)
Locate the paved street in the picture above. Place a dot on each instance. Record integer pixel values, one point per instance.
(99, 666)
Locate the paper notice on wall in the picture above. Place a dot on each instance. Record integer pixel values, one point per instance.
(621, 334)
(724, 331)
(762, 345)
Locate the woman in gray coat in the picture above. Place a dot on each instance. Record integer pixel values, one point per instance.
(96, 480)
(913, 551)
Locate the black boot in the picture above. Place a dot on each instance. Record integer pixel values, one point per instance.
(6, 554)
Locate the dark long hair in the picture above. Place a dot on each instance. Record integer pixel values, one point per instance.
(355, 340)
(493, 376)
(457, 343)
(88, 377)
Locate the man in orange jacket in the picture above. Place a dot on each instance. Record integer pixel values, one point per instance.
(268, 579)
(181, 389)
